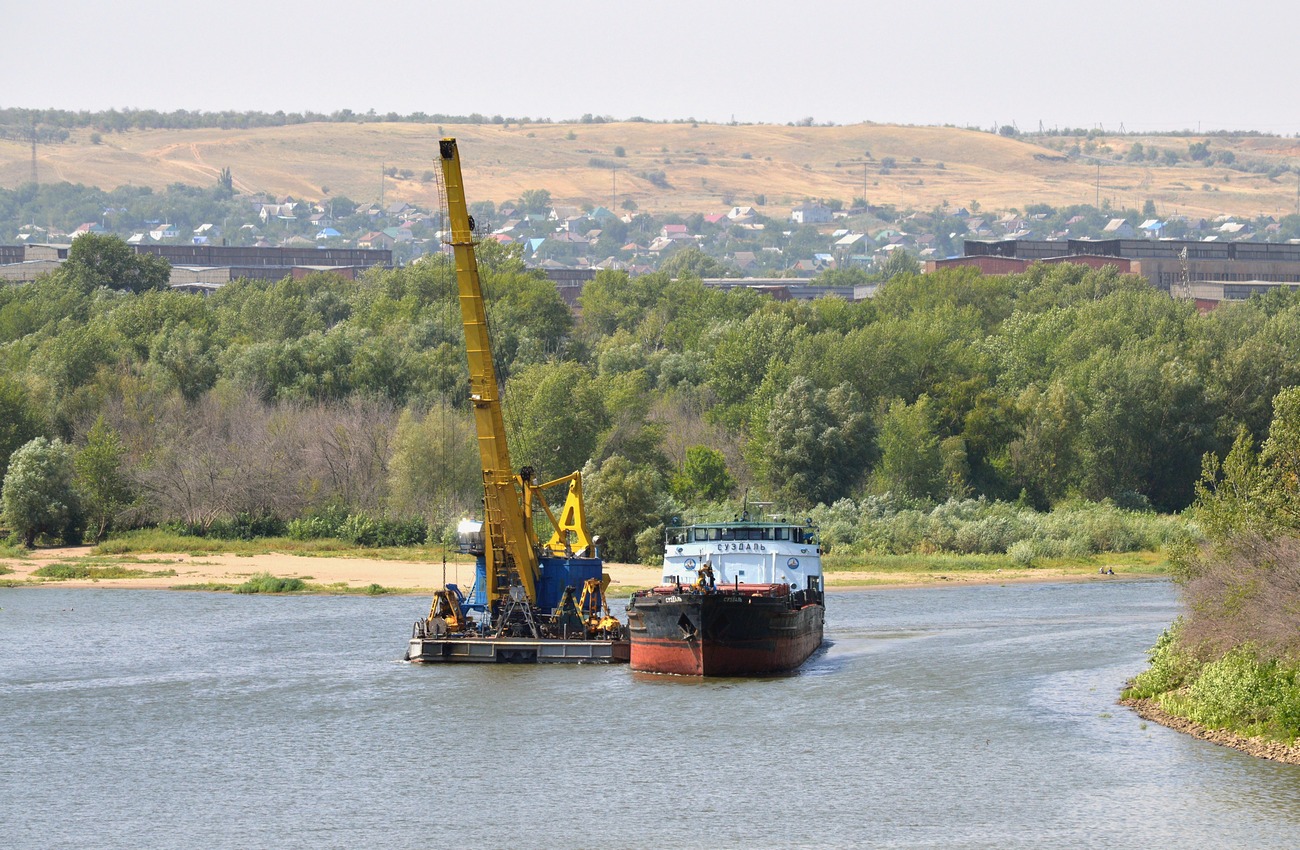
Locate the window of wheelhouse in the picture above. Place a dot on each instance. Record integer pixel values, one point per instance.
(782, 533)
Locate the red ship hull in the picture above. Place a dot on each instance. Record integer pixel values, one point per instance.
(745, 630)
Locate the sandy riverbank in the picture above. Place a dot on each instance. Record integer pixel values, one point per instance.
(423, 576)
(218, 568)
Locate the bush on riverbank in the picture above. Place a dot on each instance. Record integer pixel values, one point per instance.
(64, 572)
(1232, 661)
(267, 583)
(1241, 690)
(891, 525)
(328, 523)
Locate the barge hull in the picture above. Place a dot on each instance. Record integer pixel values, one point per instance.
(516, 651)
(722, 635)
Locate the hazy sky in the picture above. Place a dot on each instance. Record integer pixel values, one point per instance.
(1158, 66)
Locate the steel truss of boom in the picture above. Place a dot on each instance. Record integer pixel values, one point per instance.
(510, 543)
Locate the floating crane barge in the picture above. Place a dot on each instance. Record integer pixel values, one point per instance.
(531, 601)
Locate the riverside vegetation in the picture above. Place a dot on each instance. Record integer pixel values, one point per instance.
(1232, 661)
(1052, 414)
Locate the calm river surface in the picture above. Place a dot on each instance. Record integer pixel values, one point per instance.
(953, 717)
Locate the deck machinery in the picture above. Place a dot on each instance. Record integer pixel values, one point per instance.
(531, 601)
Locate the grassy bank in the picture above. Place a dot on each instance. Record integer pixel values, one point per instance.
(95, 569)
(152, 540)
(265, 583)
(1241, 692)
(925, 566)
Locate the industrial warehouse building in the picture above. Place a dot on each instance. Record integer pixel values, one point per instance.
(206, 267)
(1210, 272)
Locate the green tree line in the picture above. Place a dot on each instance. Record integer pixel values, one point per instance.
(317, 396)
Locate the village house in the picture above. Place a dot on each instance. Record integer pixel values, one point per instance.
(1118, 228)
(377, 239)
(811, 214)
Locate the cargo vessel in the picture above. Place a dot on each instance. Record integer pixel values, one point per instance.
(740, 598)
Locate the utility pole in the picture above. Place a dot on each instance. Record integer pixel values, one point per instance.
(383, 167)
(34, 175)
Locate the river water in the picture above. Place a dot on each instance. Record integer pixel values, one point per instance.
(952, 718)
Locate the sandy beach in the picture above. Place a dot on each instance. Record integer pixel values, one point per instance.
(220, 568)
(345, 573)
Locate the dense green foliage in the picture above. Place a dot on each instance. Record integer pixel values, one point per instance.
(891, 525)
(310, 404)
(1233, 659)
(267, 583)
(84, 571)
(38, 496)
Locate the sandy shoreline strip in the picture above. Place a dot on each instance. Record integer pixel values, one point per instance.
(225, 568)
(423, 576)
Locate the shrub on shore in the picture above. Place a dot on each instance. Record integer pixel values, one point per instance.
(267, 583)
(1232, 661)
(1242, 690)
(358, 529)
(81, 571)
(891, 525)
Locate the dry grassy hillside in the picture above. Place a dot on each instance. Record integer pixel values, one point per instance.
(707, 167)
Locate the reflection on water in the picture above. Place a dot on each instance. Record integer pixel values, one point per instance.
(954, 717)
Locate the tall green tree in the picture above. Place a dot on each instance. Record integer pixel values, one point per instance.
(899, 263)
(703, 477)
(96, 259)
(623, 500)
(554, 416)
(434, 469)
(39, 496)
(535, 200)
(19, 419)
(103, 485)
(691, 261)
(911, 462)
(817, 444)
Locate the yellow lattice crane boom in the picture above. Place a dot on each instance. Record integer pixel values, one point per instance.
(511, 550)
(508, 547)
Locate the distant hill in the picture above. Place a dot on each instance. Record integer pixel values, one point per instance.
(684, 167)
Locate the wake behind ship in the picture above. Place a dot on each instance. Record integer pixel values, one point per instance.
(738, 598)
